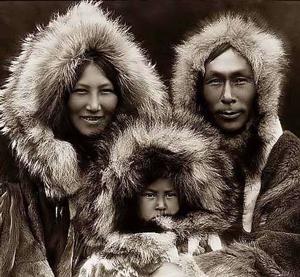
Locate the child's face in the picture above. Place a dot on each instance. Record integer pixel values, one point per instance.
(159, 198)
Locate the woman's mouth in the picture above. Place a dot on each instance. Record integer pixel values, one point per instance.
(94, 120)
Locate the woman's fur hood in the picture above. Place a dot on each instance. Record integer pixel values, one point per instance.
(200, 172)
(33, 94)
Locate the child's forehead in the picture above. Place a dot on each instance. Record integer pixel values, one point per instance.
(164, 184)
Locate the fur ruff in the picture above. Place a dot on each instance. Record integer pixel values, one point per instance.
(43, 71)
(265, 53)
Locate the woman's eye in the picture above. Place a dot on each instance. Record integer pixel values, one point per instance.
(80, 91)
(107, 91)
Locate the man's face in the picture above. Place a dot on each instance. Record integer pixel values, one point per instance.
(159, 198)
(229, 91)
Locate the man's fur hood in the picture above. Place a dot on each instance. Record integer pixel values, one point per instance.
(265, 53)
(32, 96)
(262, 49)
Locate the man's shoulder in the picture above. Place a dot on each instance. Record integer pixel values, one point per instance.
(284, 156)
(287, 143)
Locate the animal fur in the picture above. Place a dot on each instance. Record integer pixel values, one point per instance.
(32, 96)
(265, 53)
(202, 172)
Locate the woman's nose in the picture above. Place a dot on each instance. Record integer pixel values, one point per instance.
(93, 104)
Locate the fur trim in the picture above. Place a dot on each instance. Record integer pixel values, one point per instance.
(240, 259)
(140, 250)
(203, 175)
(45, 68)
(202, 172)
(262, 48)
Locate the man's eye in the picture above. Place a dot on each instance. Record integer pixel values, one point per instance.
(214, 82)
(241, 81)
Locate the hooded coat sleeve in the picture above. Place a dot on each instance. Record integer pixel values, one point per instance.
(20, 254)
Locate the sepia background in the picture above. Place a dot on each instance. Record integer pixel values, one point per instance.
(159, 25)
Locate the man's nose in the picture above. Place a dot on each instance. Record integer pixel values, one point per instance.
(227, 95)
(93, 104)
(161, 203)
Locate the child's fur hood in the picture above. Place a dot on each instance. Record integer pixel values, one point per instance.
(200, 171)
(33, 94)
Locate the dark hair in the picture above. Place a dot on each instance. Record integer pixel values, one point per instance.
(200, 101)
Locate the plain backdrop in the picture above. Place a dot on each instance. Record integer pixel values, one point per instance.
(161, 24)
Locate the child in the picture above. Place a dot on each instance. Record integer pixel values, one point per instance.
(166, 185)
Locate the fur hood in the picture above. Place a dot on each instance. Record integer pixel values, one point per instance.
(202, 174)
(32, 97)
(263, 50)
(265, 53)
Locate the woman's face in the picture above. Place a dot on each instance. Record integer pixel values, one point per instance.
(92, 102)
(159, 198)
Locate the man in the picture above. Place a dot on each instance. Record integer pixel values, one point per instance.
(231, 72)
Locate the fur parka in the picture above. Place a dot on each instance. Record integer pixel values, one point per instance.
(271, 197)
(265, 53)
(201, 173)
(32, 99)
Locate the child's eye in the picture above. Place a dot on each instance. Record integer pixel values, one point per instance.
(172, 194)
(149, 195)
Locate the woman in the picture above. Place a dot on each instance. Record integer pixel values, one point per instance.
(52, 110)
(168, 155)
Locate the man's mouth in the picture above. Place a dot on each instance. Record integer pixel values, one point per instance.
(92, 119)
(229, 114)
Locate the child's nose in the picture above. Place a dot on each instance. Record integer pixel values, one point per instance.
(161, 203)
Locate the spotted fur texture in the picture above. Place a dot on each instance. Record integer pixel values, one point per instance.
(33, 94)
